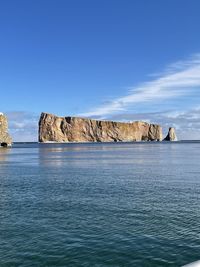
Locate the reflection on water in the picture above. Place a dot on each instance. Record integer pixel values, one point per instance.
(3, 154)
(84, 154)
(121, 204)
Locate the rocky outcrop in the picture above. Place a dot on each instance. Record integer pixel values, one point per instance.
(74, 129)
(5, 139)
(171, 136)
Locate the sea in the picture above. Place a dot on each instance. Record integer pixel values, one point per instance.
(100, 204)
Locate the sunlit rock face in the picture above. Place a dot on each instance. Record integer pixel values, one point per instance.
(171, 136)
(75, 129)
(5, 138)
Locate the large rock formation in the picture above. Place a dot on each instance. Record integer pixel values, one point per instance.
(74, 129)
(5, 139)
(171, 136)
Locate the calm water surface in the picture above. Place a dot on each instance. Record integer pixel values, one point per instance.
(100, 205)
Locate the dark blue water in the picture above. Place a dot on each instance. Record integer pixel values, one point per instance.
(100, 204)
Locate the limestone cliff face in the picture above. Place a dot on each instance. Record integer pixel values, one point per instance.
(171, 136)
(74, 129)
(5, 138)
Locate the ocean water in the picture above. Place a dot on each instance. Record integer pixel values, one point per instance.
(96, 205)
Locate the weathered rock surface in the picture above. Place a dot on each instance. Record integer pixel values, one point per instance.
(171, 136)
(5, 139)
(74, 129)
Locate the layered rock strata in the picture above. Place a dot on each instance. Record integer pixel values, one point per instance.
(75, 129)
(5, 138)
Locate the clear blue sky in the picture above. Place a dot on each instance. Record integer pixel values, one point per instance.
(99, 58)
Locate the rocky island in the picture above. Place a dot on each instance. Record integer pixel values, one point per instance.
(74, 129)
(171, 136)
(5, 139)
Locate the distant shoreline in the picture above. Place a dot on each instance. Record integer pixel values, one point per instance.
(123, 142)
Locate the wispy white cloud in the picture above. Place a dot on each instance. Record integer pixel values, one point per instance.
(179, 79)
(23, 126)
(187, 123)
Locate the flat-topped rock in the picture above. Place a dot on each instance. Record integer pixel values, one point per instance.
(74, 129)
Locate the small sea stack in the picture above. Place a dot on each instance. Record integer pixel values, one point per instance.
(5, 138)
(171, 136)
